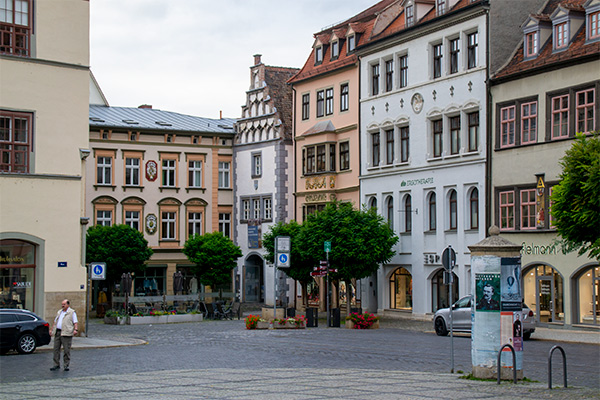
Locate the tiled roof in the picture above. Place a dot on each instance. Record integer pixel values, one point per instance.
(546, 58)
(359, 23)
(281, 93)
(151, 119)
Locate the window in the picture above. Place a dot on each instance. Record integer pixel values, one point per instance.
(225, 224)
(441, 7)
(404, 144)
(104, 217)
(168, 225)
(454, 134)
(245, 210)
(195, 173)
(318, 158)
(310, 160)
(104, 170)
(507, 210)
(528, 122)
(410, 15)
(344, 97)
(268, 208)
(375, 79)
(224, 168)
(132, 171)
(329, 101)
(390, 212)
(561, 36)
(256, 165)
(389, 75)
(332, 157)
(375, 148)
(452, 208)
(473, 130)
(472, 41)
(344, 156)
(132, 219)
(169, 138)
(531, 44)
(593, 28)
(169, 172)
(454, 52)
(256, 208)
(15, 26)
(321, 161)
(305, 106)
(319, 55)
(351, 43)
(584, 113)
(133, 136)
(528, 209)
(437, 138)
(507, 126)
(560, 116)
(335, 50)
(15, 141)
(474, 209)
(432, 212)
(389, 146)
(403, 71)
(194, 223)
(320, 103)
(437, 60)
(407, 213)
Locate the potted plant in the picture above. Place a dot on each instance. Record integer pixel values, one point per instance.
(256, 322)
(362, 321)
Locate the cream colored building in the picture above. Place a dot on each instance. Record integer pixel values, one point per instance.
(44, 89)
(547, 91)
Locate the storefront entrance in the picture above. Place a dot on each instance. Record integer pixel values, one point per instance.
(17, 274)
(401, 290)
(543, 293)
(588, 296)
(254, 289)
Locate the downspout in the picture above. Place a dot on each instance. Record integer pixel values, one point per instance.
(293, 174)
(489, 135)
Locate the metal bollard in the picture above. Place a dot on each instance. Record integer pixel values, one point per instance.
(550, 365)
(514, 357)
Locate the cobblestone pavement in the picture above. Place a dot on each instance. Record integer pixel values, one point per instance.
(224, 357)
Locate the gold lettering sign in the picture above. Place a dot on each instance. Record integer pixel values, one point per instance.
(540, 202)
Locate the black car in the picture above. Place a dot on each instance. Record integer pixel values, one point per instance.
(22, 330)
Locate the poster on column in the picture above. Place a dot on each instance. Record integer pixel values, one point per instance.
(487, 292)
(510, 270)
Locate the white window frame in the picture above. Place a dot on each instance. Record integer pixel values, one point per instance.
(224, 174)
(195, 173)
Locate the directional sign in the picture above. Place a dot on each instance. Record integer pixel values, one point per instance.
(283, 260)
(318, 273)
(327, 246)
(98, 271)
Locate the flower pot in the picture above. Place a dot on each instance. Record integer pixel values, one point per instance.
(351, 325)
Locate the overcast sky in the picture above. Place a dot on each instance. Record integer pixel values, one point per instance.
(193, 56)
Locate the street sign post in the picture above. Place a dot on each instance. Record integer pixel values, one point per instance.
(283, 247)
(327, 246)
(98, 271)
(449, 261)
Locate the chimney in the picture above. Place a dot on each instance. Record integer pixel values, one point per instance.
(149, 106)
(220, 114)
(257, 59)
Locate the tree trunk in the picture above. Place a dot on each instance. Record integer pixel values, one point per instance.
(348, 297)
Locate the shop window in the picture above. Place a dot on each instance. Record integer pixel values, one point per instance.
(543, 291)
(439, 291)
(588, 296)
(401, 289)
(17, 274)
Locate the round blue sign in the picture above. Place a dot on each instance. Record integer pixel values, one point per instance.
(283, 258)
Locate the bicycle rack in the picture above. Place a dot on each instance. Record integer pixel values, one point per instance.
(564, 357)
(514, 357)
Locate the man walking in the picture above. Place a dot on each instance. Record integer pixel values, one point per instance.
(65, 326)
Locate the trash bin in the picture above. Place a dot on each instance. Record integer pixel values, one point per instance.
(312, 317)
(334, 321)
(290, 312)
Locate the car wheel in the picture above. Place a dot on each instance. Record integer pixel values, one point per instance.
(26, 344)
(526, 335)
(440, 327)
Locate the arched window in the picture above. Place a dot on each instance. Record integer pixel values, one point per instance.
(543, 293)
(432, 214)
(474, 209)
(588, 296)
(401, 289)
(452, 210)
(407, 213)
(373, 202)
(390, 212)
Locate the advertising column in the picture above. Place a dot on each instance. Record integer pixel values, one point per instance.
(496, 271)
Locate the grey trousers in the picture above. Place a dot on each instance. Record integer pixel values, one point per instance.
(65, 341)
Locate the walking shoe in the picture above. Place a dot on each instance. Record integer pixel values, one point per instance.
(55, 368)
(66, 368)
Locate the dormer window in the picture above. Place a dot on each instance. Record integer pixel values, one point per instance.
(319, 55)
(335, 50)
(531, 44)
(441, 7)
(593, 22)
(561, 35)
(409, 13)
(351, 43)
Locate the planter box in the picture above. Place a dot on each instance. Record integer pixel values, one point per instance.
(267, 313)
(350, 325)
(263, 325)
(288, 325)
(184, 318)
(165, 319)
(111, 320)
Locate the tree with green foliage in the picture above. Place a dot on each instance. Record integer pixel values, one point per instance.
(361, 240)
(121, 247)
(299, 270)
(214, 256)
(576, 199)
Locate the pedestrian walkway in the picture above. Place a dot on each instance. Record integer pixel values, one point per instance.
(284, 384)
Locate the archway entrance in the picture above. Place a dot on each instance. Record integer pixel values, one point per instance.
(588, 296)
(401, 289)
(439, 291)
(254, 283)
(543, 293)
